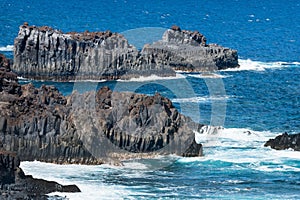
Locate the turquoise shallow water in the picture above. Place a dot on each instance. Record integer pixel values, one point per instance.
(263, 97)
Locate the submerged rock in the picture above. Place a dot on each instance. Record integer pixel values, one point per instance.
(285, 141)
(46, 53)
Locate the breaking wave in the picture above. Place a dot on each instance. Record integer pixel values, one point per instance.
(261, 66)
(7, 48)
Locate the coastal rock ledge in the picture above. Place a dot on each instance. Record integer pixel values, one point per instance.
(46, 53)
(14, 184)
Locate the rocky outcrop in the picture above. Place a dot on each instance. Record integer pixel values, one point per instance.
(132, 125)
(91, 128)
(188, 51)
(285, 141)
(36, 125)
(14, 184)
(45, 53)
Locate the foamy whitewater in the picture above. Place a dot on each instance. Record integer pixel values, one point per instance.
(245, 106)
(234, 151)
(7, 48)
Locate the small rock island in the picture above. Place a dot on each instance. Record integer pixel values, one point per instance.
(49, 54)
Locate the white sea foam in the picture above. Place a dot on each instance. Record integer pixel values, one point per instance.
(91, 179)
(91, 191)
(131, 164)
(233, 138)
(88, 81)
(7, 48)
(240, 146)
(200, 99)
(243, 146)
(153, 78)
(21, 78)
(260, 66)
(277, 168)
(79, 175)
(208, 75)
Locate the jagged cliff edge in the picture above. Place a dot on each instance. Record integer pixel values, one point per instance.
(46, 53)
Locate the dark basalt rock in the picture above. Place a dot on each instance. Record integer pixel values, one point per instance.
(132, 124)
(8, 79)
(46, 53)
(187, 51)
(8, 165)
(14, 184)
(34, 123)
(285, 141)
(91, 128)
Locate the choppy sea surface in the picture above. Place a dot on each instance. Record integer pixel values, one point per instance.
(253, 103)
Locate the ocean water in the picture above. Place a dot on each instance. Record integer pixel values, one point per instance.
(256, 102)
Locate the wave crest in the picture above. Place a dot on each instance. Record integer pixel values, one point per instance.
(250, 65)
(7, 48)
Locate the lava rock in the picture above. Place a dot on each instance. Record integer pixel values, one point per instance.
(46, 53)
(285, 141)
(92, 128)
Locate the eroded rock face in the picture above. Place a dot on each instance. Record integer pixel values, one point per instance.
(45, 53)
(34, 123)
(133, 123)
(92, 128)
(285, 141)
(36, 126)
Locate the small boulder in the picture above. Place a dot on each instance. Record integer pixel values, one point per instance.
(176, 28)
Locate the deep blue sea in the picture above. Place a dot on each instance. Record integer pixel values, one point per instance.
(262, 96)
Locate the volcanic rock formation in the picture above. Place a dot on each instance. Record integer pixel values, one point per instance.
(45, 53)
(90, 128)
(285, 141)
